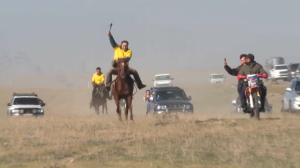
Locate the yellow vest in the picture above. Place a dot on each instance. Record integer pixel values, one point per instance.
(119, 53)
(98, 79)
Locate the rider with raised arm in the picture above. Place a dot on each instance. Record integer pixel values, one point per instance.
(235, 72)
(97, 80)
(252, 67)
(121, 52)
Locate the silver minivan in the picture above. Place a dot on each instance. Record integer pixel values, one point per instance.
(291, 99)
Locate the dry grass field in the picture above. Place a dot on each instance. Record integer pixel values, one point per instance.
(70, 135)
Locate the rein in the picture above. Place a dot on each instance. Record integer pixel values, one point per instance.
(119, 75)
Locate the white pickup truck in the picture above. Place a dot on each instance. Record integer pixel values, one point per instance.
(25, 104)
(279, 72)
(162, 80)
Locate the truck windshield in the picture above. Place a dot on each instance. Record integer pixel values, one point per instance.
(165, 77)
(170, 95)
(217, 77)
(26, 101)
(280, 67)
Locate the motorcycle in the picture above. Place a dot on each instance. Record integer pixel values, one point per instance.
(252, 93)
(236, 106)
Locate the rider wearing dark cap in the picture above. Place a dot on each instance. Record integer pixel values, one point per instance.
(252, 67)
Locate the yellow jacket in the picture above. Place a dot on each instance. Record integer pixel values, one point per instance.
(98, 79)
(119, 53)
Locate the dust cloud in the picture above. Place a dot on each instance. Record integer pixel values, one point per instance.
(52, 48)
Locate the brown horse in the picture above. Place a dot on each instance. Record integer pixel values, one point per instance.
(123, 88)
(100, 100)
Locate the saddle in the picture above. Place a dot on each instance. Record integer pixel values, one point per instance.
(114, 81)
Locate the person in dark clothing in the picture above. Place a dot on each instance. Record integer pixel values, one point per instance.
(252, 67)
(121, 52)
(235, 72)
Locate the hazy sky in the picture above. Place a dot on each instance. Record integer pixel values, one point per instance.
(58, 35)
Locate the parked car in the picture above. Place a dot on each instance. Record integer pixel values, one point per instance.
(297, 73)
(271, 62)
(162, 80)
(25, 104)
(291, 99)
(293, 70)
(170, 100)
(279, 72)
(216, 78)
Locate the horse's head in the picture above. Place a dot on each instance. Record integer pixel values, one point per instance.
(99, 91)
(122, 67)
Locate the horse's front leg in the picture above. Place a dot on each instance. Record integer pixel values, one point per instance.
(97, 109)
(106, 107)
(103, 108)
(126, 108)
(118, 106)
(129, 106)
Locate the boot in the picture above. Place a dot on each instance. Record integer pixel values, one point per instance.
(107, 87)
(245, 109)
(141, 86)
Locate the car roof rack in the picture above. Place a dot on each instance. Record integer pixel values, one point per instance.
(25, 94)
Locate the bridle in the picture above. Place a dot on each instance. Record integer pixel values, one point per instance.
(99, 90)
(122, 75)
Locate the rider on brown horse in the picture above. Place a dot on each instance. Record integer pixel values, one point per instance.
(97, 81)
(121, 52)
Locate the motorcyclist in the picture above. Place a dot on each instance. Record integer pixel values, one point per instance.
(252, 67)
(235, 72)
(97, 80)
(121, 52)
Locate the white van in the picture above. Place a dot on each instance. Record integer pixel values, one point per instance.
(216, 78)
(162, 80)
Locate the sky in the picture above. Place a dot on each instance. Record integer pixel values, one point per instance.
(69, 36)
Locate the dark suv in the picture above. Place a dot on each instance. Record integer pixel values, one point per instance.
(171, 99)
(292, 70)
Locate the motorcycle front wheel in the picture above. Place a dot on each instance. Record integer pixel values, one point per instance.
(256, 106)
